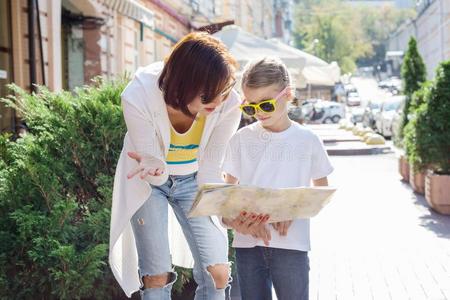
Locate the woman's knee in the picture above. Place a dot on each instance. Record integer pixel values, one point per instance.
(220, 274)
(156, 281)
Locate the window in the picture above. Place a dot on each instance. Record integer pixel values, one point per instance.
(7, 115)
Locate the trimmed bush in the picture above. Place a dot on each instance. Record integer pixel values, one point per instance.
(55, 194)
(413, 73)
(427, 135)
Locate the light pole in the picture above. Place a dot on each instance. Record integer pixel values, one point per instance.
(314, 45)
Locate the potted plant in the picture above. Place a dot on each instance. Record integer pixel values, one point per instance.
(430, 132)
(416, 173)
(403, 167)
(414, 74)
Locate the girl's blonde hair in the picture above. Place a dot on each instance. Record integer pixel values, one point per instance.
(264, 72)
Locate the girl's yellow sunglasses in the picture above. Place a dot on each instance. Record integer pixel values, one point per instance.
(267, 106)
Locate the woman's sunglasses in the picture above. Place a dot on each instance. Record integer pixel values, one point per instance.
(267, 106)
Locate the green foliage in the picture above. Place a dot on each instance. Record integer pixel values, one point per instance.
(378, 25)
(427, 134)
(413, 69)
(55, 194)
(413, 75)
(345, 33)
(418, 98)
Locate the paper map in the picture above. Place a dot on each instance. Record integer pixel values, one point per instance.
(228, 201)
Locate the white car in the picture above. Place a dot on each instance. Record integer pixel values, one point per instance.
(356, 114)
(385, 116)
(397, 120)
(353, 99)
(326, 112)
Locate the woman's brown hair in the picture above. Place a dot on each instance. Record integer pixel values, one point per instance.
(199, 64)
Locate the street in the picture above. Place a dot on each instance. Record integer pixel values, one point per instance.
(368, 89)
(377, 239)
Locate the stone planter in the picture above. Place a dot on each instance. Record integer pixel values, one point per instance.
(437, 192)
(417, 180)
(403, 168)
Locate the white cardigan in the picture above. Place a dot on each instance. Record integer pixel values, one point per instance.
(148, 127)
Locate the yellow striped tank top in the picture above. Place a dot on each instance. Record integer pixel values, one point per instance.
(182, 156)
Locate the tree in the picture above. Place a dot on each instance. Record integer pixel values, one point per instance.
(413, 69)
(427, 135)
(377, 25)
(346, 34)
(414, 75)
(339, 37)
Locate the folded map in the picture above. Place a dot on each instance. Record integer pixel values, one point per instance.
(229, 200)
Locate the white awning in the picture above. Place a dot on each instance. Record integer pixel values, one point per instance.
(134, 10)
(304, 67)
(245, 47)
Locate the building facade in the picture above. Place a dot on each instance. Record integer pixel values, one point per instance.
(396, 3)
(72, 41)
(265, 18)
(64, 44)
(431, 28)
(433, 33)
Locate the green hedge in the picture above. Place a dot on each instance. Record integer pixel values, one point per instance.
(427, 135)
(413, 73)
(55, 194)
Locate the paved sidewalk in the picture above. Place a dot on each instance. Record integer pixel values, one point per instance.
(377, 239)
(341, 142)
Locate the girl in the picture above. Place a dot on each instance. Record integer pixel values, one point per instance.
(274, 152)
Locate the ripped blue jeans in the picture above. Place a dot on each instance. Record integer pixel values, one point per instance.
(208, 245)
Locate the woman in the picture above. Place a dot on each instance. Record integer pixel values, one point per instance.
(179, 117)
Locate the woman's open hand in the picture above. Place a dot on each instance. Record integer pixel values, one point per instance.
(148, 165)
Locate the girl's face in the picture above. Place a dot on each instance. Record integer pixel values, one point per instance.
(257, 95)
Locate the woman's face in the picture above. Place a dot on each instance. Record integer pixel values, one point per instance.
(256, 95)
(198, 105)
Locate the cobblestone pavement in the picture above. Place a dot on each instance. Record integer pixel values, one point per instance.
(377, 239)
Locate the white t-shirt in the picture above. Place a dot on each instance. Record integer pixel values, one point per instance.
(290, 158)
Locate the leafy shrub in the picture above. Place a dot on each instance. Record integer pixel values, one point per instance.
(413, 73)
(55, 194)
(427, 135)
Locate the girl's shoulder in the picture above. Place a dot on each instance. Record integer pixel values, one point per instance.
(302, 129)
(304, 134)
(250, 130)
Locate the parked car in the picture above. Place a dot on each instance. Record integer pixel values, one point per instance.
(370, 111)
(295, 113)
(323, 112)
(384, 117)
(350, 88)
(392, 84)
(353, 99)
(356, 114)
(397, 119)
